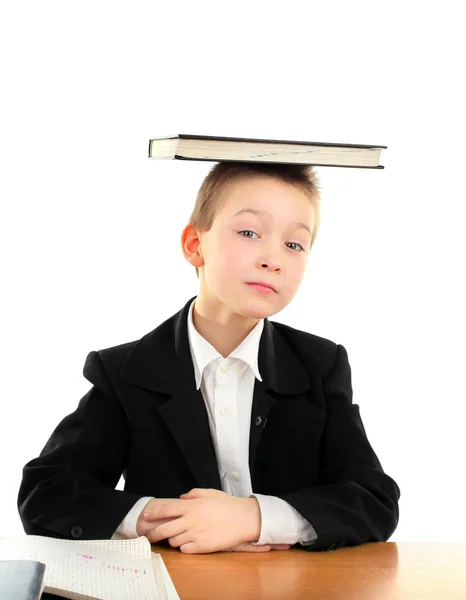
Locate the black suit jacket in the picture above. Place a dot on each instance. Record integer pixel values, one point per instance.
(144, 418)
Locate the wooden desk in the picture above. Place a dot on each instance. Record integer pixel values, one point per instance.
(376, 571)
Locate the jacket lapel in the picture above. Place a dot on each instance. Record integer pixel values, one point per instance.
(161, 362)
(186, 417)
(282, 375)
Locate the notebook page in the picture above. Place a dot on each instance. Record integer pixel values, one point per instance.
(166, 589)
(139, 546)
(117, 570)
(159, 576)
(170, 590)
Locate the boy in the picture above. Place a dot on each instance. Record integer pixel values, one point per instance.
(232, 432)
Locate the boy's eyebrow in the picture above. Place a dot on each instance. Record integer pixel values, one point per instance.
(258, 212)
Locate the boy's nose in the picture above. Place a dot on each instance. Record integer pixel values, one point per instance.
(271, 265)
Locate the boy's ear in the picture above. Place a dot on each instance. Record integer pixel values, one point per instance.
(190, 244)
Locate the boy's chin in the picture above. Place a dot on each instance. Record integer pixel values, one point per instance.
(259, 308)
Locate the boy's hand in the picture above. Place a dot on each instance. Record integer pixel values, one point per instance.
(248, 547)
(206, 520)
(142, 526)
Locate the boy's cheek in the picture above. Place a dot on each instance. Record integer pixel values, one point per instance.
(231, 266)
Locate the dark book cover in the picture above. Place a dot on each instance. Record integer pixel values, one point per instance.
(267, 141)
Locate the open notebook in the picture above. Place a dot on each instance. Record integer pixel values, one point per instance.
(95, 569)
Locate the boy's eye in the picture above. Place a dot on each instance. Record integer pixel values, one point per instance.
(296, 244)
(247, 231)
(253, 233)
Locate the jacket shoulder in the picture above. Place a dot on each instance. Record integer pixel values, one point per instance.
(106, 363)
(310, 348)
(114, 355)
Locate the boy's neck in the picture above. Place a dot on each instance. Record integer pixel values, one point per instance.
(224, 335)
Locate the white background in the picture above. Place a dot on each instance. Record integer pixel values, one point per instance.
(90, 227)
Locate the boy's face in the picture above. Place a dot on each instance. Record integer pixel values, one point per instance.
(267, 246)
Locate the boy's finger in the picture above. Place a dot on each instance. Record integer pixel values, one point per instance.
(165, 511)
(247, 547)
(200, 493)
(173, 528)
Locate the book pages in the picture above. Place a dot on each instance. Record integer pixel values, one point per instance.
(169, 587)
(89, 569)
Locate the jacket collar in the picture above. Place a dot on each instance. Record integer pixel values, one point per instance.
(161, 360)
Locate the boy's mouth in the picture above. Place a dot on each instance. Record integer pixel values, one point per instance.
(265, 288)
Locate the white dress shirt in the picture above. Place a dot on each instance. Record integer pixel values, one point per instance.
(227, 387)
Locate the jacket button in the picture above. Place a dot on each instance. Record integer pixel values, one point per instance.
(258, 421)
(76, 532)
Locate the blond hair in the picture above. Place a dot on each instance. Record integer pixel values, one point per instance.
(223, 174)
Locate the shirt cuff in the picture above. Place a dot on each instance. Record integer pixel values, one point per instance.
(127, 528)
(282, 523)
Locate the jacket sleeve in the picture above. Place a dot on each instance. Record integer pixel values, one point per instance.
(356, 501)
(69, 490)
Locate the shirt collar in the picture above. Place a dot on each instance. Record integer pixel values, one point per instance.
(203, 353)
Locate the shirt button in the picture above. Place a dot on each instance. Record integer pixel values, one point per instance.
(224, 367)
(235, 476)
(225, 412)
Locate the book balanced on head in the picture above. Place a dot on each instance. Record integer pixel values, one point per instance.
(211, 148)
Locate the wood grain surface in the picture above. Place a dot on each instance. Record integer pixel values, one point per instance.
(380, 571)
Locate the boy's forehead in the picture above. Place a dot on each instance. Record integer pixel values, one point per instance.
(248, 193)
(248, 181)
(248, 189)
